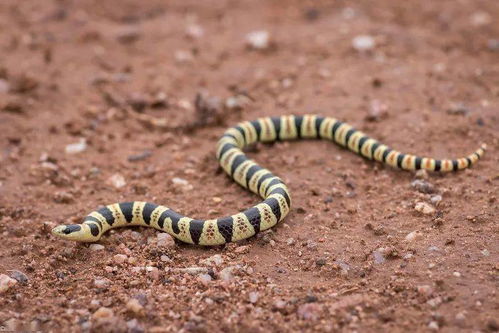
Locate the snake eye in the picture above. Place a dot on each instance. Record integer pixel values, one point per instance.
(67, 231)
(71, 228)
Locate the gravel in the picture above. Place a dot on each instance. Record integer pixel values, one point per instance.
(258, 40)
(6, 283)
(363, 43)
(424, 208)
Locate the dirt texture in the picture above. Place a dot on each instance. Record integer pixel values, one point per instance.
(119, 100)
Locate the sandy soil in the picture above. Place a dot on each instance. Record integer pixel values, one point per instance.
(353, 255)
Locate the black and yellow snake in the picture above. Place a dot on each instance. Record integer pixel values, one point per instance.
(248, 174)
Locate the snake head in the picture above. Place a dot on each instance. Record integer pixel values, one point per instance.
(74, 232)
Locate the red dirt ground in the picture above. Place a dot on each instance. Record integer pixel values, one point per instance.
(99, 70)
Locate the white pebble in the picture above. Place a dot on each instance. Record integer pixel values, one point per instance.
(204, 277)
(424, 208)
(133, 305)
(101, 283)
(75, 148)
(433, 325)
(194, 31)
(120, 258)
(413, 236)
(96, 247)
(117, 180)
(435, 199)
(253, 297)
(485, 252)
(456, 274)
(215, 260)
(6, 283)
(363, 43)
(258, 40)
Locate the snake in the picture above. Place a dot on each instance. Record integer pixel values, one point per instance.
(276, 197)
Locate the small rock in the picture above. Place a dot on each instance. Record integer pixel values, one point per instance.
(19, 276)
(290, 241)
(227, 274)
(321, 262)
(165, 240)
(237, 103)
(425, 290)
(376, 111)
(128, 35)
(279, 305)
(379, 258)
(194, 31)
(423, 186)
(493, 44)
(205, 277)
(63, 197)
(424, 208)
(6, 283)
(480, 18)
(458, 109)
(140, 157)
(363, 43)
(117, 180)
(183, 56)
(457, 274)
(253, 297)
(194, 270)
(96, 247)
(435, 199)
(433, 326)
(413, 236)
(134, 306)
(165, 258)
(435, 302)
(461, 319)
(120, 258)
(103, 313)
(309, 311)
(4, 86)
(181, 184)
(75, 148)
(258, 40)
(421, 174)
(215, 260)
(485, 252)
(101, 283)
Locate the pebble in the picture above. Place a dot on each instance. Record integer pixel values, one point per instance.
(227, 274)
(183, 56)
(457, 274)
(101, 283)
(4, 86)
(19, 276)
(421, 174)
(103, 313)
(363, 43)
(460, 318)
(205, 277)
(493, 44)
(433, 325)
(458, 109)
(194, 270)
(134, 306)
(96, 247)
(215, 260)
(480, 18)
(413, 236)
(165, 240)
(309, 311)
(425, 290)
(423, 186)
(181, 183)
(485, 252)
(6, 283)
(379, 258)
(75, 148)
(258, 40)
(424, 208)
(236, 103)
(63, 197)
(120, 258)
(279, 305)
(253, 297)
(128, 35)
(434, 302)
(435, 199)
(194, 31)
(117, 180)
(242, 249)
(165, 258)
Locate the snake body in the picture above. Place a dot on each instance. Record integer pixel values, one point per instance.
(248, 174)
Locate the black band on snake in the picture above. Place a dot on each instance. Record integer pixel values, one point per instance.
(248, 174)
